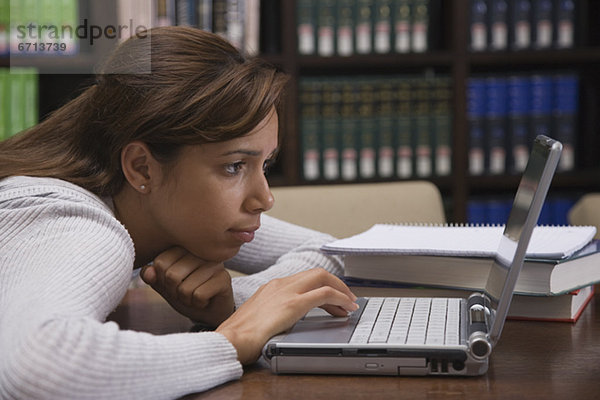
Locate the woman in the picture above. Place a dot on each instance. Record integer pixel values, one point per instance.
(167, 168)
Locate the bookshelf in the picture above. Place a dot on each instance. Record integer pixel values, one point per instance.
(449, 54)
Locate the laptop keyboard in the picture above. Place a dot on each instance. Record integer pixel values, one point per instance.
(413, 321)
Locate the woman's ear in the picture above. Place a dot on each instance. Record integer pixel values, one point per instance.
(140, 168)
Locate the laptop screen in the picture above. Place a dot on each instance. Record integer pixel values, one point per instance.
(521, 221)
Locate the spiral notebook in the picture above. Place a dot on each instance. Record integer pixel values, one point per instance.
(547, 242)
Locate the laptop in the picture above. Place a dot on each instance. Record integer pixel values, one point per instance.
(423, 336)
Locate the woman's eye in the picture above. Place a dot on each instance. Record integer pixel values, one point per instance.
(234, 168)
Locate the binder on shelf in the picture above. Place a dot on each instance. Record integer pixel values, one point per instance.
(19, 89)
(478, 28)
(4, 28)
(367, 130)
(309, 129)
(205, 15)
(349, 133)
(305, 10)
(326, 16)
(165, 13)
(404, 142)
(382, 42)
(496, 118)
(498, 24)
(364, 26)
(330, 130)
(420, 26)
(541, 106)
(186, 12)
(386, 133)
(401, 17)
(520, 24)
(542, 23)
(442, 127)
(421, 112)
(476, 123)
(564, 24)
(519, 93)
(565, 106)
(345, 27)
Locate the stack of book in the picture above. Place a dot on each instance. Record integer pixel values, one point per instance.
(556, 282)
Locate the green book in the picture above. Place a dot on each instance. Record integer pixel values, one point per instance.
(421, 113)
(349, 131)
(367, 123)
(330, 126)
(420, 26)
(404, 142)
(401, 17)
(385, 131)
(326, 16)
(69, 16)
(382, 37)
(364, 26)
(345, 27)
(442, 126)
(309, 128)
(306, 26)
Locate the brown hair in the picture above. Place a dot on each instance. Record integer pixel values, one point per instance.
(200, 90)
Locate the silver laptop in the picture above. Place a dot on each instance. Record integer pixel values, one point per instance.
(423, 336)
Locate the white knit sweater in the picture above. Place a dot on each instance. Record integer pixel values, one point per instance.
(66, 262)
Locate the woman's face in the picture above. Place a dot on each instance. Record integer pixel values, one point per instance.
(211, 202)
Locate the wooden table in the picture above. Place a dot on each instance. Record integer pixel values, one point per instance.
(533, 360)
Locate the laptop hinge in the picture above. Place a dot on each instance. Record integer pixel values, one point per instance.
(481, 316)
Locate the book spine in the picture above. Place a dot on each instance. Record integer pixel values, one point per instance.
(475, 115)
(186, 12)
(542, 23)
(564, 24)
(404, 143)
(541, 106)
(421, 112)
(205, 15)
(330, 131)
(498, 25)
(270, 28)
(252, 27)
(496, 116)
(386, 133)
(367, 141)
(326, 16)
(364, 26)
(234, 19)
(383, 26)
(220, 17)
(401, 15)
(345, 27)
(478, 32)
(309, 128)
(420, 26)
(349, 123)
(442, 126)
(520, 24)
(305, 10)
(518, 122)
(566, 96)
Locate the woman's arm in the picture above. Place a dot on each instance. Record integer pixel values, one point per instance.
(279, 249)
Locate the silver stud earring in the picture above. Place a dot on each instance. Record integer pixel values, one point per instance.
(143, 187)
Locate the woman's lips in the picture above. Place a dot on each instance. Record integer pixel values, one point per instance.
(244, 236)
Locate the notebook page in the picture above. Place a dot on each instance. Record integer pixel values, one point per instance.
(465, 241)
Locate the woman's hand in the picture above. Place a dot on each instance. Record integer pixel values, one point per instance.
(198, 289)
(277, 305)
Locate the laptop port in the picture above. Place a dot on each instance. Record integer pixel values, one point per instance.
(434, 365)
(444, 366)
(458, 365)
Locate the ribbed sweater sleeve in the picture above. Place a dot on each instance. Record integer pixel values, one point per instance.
(65, 263)
(279, 249)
